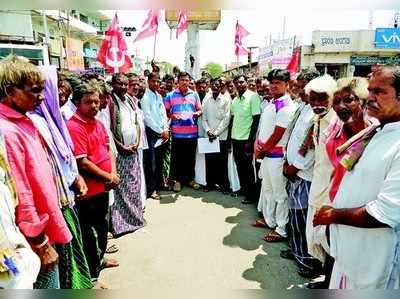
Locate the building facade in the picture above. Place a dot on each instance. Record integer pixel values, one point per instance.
(351, 53)
(68, 36)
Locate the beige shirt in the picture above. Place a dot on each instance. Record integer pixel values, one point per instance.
(216, 115)
(319, 190)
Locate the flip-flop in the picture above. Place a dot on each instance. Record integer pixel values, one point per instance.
(112, 249)
(274, 237)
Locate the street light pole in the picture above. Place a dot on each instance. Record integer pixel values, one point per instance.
(250, 56)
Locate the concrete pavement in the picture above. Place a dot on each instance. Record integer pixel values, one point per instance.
(199, 240)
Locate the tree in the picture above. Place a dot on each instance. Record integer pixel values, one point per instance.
(214, 69)
(166, 66)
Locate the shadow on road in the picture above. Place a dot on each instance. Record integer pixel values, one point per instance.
(268, 269)
(170, 197)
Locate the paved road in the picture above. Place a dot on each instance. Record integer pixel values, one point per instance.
(199, 240)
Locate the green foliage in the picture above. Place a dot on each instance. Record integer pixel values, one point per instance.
(214, 69)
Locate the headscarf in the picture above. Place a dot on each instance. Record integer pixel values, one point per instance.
(49, 109)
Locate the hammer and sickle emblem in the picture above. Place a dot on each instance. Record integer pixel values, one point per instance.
(114, 62)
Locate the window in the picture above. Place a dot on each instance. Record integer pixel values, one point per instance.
(83, 18)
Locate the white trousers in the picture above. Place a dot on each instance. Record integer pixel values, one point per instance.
(273, 197)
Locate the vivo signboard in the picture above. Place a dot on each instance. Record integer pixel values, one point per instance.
(387, 38)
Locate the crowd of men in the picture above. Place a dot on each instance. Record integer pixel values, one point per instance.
(80, 155)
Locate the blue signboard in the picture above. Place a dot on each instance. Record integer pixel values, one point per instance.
(91, 53)
(387, 38)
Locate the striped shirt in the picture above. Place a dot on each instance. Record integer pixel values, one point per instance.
(183, 105)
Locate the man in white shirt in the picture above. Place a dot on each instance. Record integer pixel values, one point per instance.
(270, 143)
(157, 132)
(365, 216)
(216, 117)
(320, 92)
(298, 169)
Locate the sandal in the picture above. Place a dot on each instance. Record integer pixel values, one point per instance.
(260, 223)
(273, 237)
(112, 249)
(110, 236)
(109, 263)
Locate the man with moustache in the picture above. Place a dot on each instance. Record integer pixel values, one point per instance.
(183, 108)
(364, 217)
(129, 135)
(157, 130)
(298, 169)
(348, 103)
(169, 82)
(93, 155)
(245, 111)
(320, 93)
(216, 117)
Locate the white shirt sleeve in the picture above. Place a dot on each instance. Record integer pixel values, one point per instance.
(204, 116)
(306, 162)
(386, 208)
(284, 117)
(224, 124)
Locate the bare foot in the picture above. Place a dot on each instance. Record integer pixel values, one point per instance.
(109, 263)
(99, 286)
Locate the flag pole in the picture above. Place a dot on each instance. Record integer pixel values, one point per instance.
(154, 48)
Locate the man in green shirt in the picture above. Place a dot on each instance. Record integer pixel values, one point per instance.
(245, 112)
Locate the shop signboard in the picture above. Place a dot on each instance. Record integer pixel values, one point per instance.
(371, 60)
(265, 55)
(283, 51)
(335, 41)
(387, 38)
(90, 53)
(75, 55)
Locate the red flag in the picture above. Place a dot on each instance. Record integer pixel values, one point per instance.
(294, 63)
(183, 23)
(240, 33)
(113, 53)
(150, 25)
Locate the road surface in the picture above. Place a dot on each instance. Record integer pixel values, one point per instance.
(199, 240)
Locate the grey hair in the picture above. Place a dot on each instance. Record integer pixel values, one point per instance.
(357, 85)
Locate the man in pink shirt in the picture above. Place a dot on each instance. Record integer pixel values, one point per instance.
(38, 214)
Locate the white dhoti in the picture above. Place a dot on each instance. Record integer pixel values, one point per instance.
(200, 169)
(273, 197)
(232, 173)
(317, 242)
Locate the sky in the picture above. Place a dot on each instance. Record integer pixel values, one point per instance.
(218, 46)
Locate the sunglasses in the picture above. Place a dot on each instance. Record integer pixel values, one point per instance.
(35, 89)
